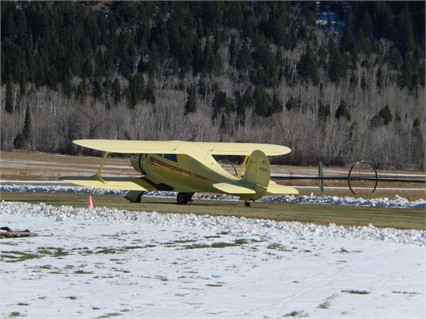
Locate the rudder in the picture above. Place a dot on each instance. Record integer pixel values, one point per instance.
(258, 169)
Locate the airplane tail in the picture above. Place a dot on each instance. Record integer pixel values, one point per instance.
(258, 172)
(255, 182)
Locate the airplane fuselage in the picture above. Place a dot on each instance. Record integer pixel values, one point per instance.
(180, 173)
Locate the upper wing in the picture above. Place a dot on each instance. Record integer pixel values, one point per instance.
(131, 147)
(242, 148)
(181, 147)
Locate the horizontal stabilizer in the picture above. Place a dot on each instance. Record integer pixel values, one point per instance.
(274, 188)
(115, 183)
(233, 189)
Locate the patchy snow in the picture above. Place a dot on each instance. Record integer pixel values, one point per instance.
(100, 263)
(398, 201)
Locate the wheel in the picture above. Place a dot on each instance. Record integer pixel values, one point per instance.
(247, 204)
(139, 198)
(134, 196)
(184, 198)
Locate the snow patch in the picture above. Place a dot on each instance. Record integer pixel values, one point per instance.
(105, 262)
(219, 224)
(397, 202)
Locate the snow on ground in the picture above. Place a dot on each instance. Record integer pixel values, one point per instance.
(100, 263)
(398, 201)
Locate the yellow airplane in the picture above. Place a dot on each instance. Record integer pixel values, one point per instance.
(186, 168)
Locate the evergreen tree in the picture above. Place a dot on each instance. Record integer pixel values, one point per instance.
(26, 131)
(154, 61)
(277, 103)
(9, 97)
(191, 101)
(232, 51)
(221, 102)
(322, 55)
(163, 43)
(22, 140)
(198, 61)
(384, 117)
(279, 28)
(362, 43)
(149, 94)
(386, 114)
(67, 87)
(262, 102)
(208, 58)
(81, 93)
(233, 15)
(379, 78)
(134, 91)
(99, 65)
(367, 25)
(52, 78)
(384, 21)
(241, 109)
(223, 123)
(406, 76)
(139, 86)
(405, 36)
(324, 111)
(308, 66)
(116, 91)
(292, 103)
(244, 60)
(336, 67)
(347, 42)
(343, 111)
(96, 89)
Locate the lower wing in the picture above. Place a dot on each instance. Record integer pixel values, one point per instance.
(233, 189)
(115, 183)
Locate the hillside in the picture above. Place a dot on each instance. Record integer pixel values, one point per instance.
(336, 82)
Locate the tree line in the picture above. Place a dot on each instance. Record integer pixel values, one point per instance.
(250, 71)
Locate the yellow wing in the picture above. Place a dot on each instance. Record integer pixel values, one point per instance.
(181, 147)
(233, 189)
(116, 183)
(274, 188)
(131, 147)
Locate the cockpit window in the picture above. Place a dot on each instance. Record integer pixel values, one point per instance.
(171, 157)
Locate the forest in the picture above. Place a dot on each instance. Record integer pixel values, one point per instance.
(335, 81)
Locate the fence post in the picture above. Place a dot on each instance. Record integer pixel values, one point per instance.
(320, 175)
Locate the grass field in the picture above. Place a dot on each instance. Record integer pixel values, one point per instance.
(317, 214)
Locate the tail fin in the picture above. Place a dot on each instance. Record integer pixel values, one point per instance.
(258, 170)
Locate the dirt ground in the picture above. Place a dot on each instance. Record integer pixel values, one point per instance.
(36, 166)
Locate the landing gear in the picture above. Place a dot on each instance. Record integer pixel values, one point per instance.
(184, 198)
(247, 204)
(134, 196)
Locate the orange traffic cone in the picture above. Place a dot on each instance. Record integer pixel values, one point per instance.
(90, 202)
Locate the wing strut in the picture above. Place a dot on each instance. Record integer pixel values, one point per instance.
(98, 175)
(243, 166)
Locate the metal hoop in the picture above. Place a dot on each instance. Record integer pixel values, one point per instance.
(376, 179)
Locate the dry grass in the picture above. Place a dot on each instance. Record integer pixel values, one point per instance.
(42, 166)
(317, 214)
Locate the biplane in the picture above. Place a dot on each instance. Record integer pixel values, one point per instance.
(187, 168)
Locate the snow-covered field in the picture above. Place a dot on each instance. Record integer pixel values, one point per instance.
(103, 263)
